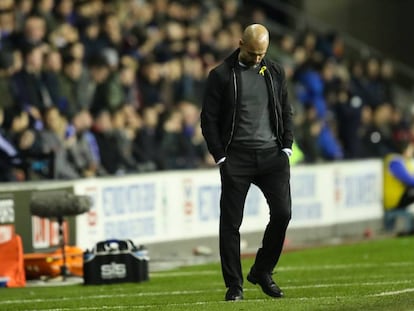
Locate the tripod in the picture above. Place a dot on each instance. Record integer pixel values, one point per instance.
(63, 268)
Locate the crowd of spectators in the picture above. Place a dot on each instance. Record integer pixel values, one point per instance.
(105, 87)
(346, 108)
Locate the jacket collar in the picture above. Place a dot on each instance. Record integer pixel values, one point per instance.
(233, 59)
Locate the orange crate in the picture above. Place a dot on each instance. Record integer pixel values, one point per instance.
(48, 264)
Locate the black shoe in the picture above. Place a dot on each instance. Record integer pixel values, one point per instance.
(269, 287)
(234, 293)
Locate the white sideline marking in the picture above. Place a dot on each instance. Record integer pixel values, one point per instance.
(396, 292)
(349, 284)
(198, 303)
(213, 272)
(288, 268)
(193, 292)
(344, 266)
(187, 273)
(184, 304)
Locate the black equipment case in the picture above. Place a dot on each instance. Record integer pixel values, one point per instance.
(115, 261)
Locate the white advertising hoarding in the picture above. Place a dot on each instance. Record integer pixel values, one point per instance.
(182, 205)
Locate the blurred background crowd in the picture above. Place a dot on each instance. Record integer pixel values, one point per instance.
(112, 87)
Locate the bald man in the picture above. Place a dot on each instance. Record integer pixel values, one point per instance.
(247, 123)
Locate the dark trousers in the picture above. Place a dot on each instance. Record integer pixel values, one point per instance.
(269, 170)
(401, 212)
(407, 198)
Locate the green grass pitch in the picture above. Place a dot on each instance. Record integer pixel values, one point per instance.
(371, 275)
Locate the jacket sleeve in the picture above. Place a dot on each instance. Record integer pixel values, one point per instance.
(210, 115)
(287, 111)
(399, 170)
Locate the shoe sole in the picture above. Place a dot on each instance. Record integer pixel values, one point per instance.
(236, 299)
(255, 282)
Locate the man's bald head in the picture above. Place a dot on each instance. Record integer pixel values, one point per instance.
(253, 44)
(255, 34)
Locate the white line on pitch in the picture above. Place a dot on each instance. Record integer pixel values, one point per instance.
(244, 302)
(162, 274)
(193, 292)
(396, 292)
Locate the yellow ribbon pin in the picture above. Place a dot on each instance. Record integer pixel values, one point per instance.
(262, 70)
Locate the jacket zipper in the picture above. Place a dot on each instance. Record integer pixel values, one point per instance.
(234, 111)
(275, 108)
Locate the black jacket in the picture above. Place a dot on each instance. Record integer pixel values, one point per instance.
(220, 111)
